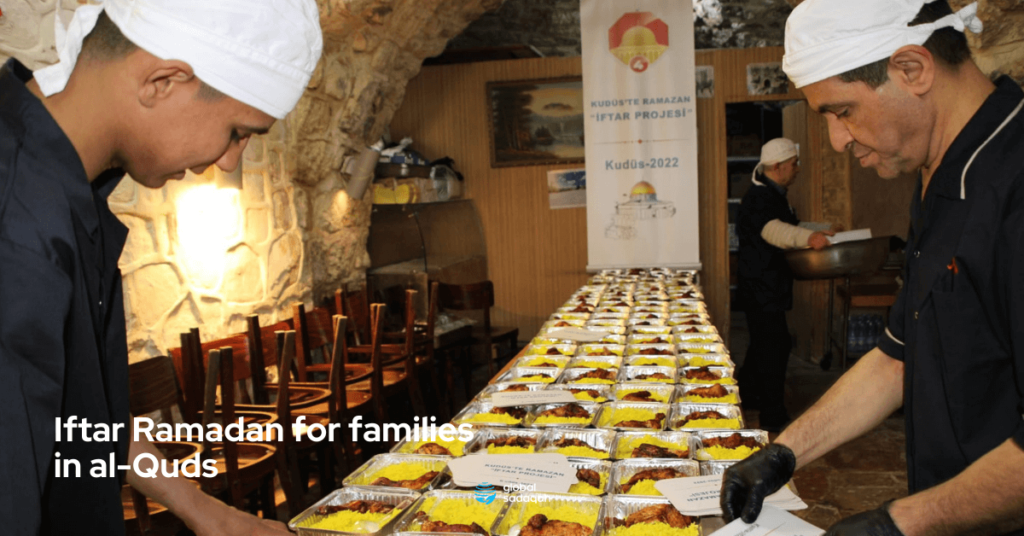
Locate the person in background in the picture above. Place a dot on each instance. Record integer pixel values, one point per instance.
(152, 88)
(767, 225)
(896, 83)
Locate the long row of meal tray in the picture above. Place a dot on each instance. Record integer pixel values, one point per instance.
(624, 433)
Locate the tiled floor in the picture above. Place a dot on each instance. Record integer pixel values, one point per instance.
(858, 476)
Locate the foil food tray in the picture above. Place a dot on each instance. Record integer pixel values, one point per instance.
(604, 391)
(572, 375)
(400, 498)
(623, 470)
(683, 439)
(476, 408)
(699, 338)
(534, 360)
(619, 507)
(667, 392)
(602, 467)
(701, 348)
(526, 374)
(535, 413)
(408, 444)
(636, 374)
(596, 439)
(637, 360)
(700, 360)
(702, 436)
(564, 350)
(682, 409)
(511, 522)
(410, 525)
(362, 476)
(479, 443)
(652, 330)
(685, 388)
(604, 419)
(726, 374)
(651, 338)
(587, 350)
(596, 361)
(487, 393)
(662, 349)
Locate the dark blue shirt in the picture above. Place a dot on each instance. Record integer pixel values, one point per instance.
(765, 280)
(63, 348)
(958, 323)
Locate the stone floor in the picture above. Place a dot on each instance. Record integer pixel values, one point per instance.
(858, 476)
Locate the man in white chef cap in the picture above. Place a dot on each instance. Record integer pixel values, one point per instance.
(152, 88)
(895, 81)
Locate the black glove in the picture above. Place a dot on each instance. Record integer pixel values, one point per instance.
(875, 522)
(747, 483)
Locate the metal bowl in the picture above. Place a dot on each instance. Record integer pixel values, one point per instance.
(848, 258)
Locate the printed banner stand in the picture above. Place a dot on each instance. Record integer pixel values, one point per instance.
(640, 128)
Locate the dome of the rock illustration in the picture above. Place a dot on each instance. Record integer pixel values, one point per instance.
(643, 191)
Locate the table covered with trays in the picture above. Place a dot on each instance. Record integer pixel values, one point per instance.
(656, 398)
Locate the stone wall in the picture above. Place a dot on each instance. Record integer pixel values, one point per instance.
(198, 256)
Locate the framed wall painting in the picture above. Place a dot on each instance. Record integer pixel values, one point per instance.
(536, 122)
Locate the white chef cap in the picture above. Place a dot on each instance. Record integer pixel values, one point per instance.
(775, 151)
(259, 52)
(825, 38)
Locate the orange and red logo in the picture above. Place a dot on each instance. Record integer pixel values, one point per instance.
(638, 39)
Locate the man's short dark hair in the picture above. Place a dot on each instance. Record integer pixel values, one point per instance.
(947, 45)
(106, 43)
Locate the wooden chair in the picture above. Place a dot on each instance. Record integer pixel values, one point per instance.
(153, 387)
(398, 373)
(479, 297)
(243, 469)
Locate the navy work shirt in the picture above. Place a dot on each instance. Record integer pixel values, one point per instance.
(958, 323)
(63, 348)
(765, 280)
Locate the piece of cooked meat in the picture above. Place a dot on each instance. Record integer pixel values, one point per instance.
(699, 415)
(620, 304)
(518, 413)
(540, 525)
(513, 441)
(652, 315)
(659, 513)
(702, 373)
(656, 340)
(732, 441)
(589, 476)
(639, 396)
(570, 442)
(714, 391)
(654, 376)
(563, 324)
(691, 330)
(691, 323)
(663, 473)
(601, 374)
(653, 423)
(651, 351)
(647, 450)
(433, 448)
(582, 308)
(516, 387)
(602, 351)
(568, 410)
(419, 483)
(441, 526)
(644, 323)
(361, 506)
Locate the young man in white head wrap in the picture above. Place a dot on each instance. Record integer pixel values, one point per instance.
(896, 84)
(159, 87)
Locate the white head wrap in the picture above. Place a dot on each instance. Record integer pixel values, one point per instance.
(775, 151)
(261, 53)
(825, 38)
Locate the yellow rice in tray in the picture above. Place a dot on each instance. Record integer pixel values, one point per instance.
(626, 448)
(583, 488)
(500, 418)
(594, 364)
(626, 414)
(543, 361)
(458, 511)
(660, 397)
(722, 453)
(594, 380)
(654, 529)
(731, 399)
(654, 362)
(732, 424)
(643, 487)
(583, 452)
(493, 449)
(456, 447)
(583, 395)
(700, 361)
(351, 521)
(401, 471)
(539, 378)
(695, 350)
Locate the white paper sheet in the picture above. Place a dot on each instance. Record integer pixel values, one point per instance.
(773, 522)
(700, 496)
(850, 236)
(547, 472)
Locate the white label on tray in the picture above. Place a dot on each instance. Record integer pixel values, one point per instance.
(526, 472)
(699, 495)
(771, 522)
(527, 398)
(576, 334)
